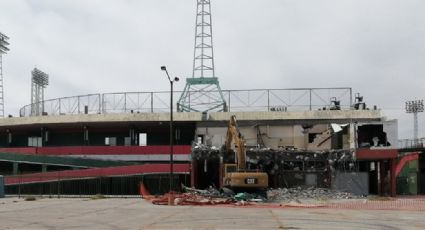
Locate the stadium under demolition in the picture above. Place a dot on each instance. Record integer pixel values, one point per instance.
(126, 144)
(340, 147)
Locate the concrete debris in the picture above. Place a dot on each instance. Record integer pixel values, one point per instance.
(210, 192)
(286, 168)
(291, 196)
(289, 169)
(267, 155)
(312, 193)
(189, 199)
(286, 195)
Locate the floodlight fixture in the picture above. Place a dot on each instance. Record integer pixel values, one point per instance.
(3, 43)
(39, 81)
(40, 78)
(415, 107)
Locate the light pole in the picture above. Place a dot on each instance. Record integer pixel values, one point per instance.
(3, 50)
(176, 79)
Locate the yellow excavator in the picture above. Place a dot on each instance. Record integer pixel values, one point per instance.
(236, 176)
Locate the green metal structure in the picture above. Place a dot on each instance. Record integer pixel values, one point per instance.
(202, 92)
(208, 97)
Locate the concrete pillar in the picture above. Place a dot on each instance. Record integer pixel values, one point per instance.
(393, 179)
(220, 173)
(9, 137)
(306, 134)
(193, 173)
(132, 135)
(382, 174)
(15, 168)
(86, 135)
(352, 136)
(44, 136)
(43, 168)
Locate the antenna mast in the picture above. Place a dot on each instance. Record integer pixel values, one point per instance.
(202, 92)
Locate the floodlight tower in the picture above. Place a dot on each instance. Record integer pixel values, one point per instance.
(202, 92)
(415, 107)
(39, 81)
(3, 50)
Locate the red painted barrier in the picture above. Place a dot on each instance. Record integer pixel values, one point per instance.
(404, 160)
(25, 150)
(96, 172)
(101, 150)
(376, 154)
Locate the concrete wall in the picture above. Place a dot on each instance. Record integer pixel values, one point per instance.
(391, 128)
(275, 129)
(194, 116)
(213, 136)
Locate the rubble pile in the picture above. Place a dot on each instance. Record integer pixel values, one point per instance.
(190, 199)
(210, 192)
(212, 196)
(201, 151)
(298, 193)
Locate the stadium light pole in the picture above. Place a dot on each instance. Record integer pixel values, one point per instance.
(175, 79)
(3, 50)
(415, 107)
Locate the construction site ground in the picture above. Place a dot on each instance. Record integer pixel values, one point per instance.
(136, 213)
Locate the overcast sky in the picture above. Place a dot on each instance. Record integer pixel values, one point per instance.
(377, 47)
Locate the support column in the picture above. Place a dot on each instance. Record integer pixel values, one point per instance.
(220, 173)
(352, 136)
(43, 168)
(15, 168)
(44, 136)
(86, 135)
(193, 173)
(382, 174)
(378, 178)
(393, 179)
(132, 135)
(9, 137)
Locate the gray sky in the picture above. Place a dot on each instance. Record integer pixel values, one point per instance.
(97, 46)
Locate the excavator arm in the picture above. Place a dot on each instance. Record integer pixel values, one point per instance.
(241, 179)
(233, 135)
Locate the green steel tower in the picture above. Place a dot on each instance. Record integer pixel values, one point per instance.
(202, 92)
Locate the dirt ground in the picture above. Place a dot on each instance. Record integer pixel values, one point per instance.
(136, 213)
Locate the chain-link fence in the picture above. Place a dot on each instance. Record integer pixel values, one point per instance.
(411, 143)
(301, 99)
